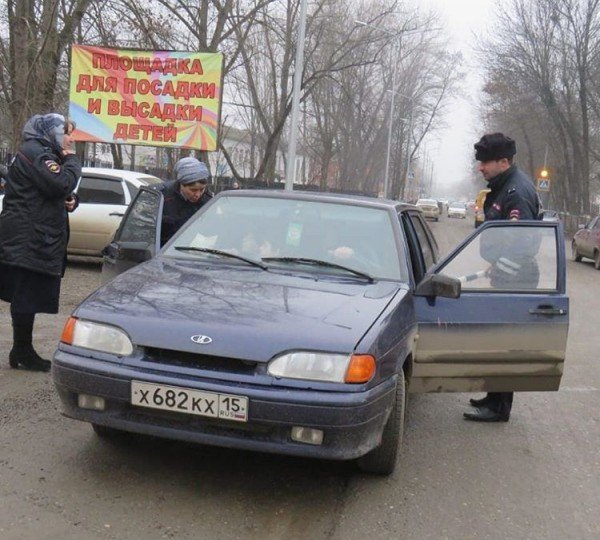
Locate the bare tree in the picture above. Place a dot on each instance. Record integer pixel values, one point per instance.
(544, 64)
(39, 31)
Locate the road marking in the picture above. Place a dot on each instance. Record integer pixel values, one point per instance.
(579, 389)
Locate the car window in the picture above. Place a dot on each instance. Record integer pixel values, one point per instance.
(100, 191)
(597, 224)
(147, 181)
(141, 221)
(359, 237)
(515, 258)
(133, 190)
(428, 250)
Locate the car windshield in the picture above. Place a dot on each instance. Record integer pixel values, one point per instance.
(457, 205)
(427, 202)
(355, 237)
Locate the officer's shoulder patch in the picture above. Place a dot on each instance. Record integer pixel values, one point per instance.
(53, 167)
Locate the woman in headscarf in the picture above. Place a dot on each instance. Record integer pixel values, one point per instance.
(34, 229)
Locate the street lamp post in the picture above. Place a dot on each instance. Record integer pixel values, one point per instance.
(290, 174)
(408, 135)
(386, 178)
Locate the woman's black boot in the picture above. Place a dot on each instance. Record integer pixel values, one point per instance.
(22, 354)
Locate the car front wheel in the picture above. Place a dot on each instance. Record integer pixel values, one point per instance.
(382, 460)
(576, 256)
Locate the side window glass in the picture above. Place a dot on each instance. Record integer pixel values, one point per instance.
(509, 258)
(133, 191)
(140, 223)
(100, 191)
(426, 247)
(597, 224)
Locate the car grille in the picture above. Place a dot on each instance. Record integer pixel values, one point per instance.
(199, 361)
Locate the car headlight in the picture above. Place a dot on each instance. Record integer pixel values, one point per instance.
(96, 336)
(326, 367)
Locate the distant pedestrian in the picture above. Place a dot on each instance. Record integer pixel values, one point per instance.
(34, 229)
(512, 197)
(184, 197)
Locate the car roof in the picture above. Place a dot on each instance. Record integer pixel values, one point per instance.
(320, 196)
(133, 177)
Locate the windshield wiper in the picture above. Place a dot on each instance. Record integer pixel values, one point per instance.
(222, 253)
(318, 262)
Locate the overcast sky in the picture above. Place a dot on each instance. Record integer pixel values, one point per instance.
(453, 148)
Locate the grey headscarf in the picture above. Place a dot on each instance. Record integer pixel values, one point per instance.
(49, 128)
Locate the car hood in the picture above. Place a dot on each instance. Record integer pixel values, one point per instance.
(248, 313)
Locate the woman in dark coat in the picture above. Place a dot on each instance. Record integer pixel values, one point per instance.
(34, 229)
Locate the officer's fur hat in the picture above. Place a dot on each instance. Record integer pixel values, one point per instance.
(494, 146)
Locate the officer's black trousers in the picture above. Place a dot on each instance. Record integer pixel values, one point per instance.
(500, 402)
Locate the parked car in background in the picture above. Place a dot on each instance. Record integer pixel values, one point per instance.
(287, 322)
(586, 242)
(550, 215)
(104, 195)
(479, 202)
(430, 208)
(457, 210)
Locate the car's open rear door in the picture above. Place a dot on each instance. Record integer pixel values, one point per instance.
(138, 237)
(508, 329)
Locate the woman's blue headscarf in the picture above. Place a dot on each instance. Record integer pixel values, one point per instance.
(48, 128)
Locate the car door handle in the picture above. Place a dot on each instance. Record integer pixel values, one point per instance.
(116, 214)
(547, 310)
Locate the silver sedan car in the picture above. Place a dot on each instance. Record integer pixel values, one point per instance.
(430, 208)
(104, 195)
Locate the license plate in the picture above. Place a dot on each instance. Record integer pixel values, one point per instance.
(188, 401)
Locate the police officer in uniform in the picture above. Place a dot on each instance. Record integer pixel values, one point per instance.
(34, 229)
(184, 197)
(512, 197)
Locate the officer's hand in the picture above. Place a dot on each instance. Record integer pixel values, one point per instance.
(70, 204)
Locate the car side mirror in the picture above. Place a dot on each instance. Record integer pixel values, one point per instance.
(134, 251)
(439, 285)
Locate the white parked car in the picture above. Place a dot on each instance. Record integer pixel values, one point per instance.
(457, 210)
(430, 208)
(104, 195)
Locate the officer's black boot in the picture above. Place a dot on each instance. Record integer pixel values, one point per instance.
(483, 402)
(22, 354)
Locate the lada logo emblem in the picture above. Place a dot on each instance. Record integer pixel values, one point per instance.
(201, 340)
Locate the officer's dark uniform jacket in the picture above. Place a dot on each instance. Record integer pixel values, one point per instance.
(33, 222)
(177, 210)
(512, 196)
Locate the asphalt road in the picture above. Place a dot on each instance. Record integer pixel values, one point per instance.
(537, 476)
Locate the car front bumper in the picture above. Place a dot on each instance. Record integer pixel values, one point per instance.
(352, 422)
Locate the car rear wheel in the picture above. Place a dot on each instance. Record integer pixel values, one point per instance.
(597, 260)
(576, 256)
(382, 460)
